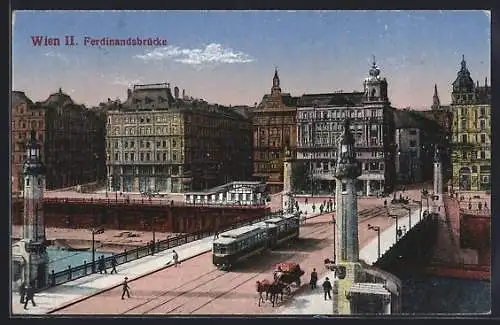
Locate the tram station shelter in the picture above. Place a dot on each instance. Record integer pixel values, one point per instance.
(237, 192)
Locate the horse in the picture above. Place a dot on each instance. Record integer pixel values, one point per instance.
(263, 286)
(275, 289)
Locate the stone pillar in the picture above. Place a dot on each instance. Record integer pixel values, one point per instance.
(350, 202)
(338, 219)
(386, 301)
(368, 189)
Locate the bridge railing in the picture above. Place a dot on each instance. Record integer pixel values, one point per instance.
(147, 201)
(85, 269)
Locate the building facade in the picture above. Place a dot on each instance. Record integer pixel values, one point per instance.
(471, 133)
(158, 141)
(319, 125)
(70, 136)
(416, 138)
(239, 192)
(274, 129)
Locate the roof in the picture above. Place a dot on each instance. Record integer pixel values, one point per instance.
(286, 98)
(224, 240)
(334, 99)
(20, 97)
(239, 232)
(58, 99)
(408, 119)
(369, 288)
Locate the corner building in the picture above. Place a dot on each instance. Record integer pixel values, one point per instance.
(471, 133)
(157, 141)
(319, 126)
(274, 129)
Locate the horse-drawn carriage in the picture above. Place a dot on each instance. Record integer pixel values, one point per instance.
(284, 275)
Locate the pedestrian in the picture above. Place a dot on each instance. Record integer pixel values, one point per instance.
(321, 208)
(485, 206)
(125, 288)
(314, 279)
(113, 264)
(216, 234)
(30, 296)
(314, 207)
(305, 201)
(399, 232)
(102, 265)
(385, 203)
(22, 292)
(470, 206)
(175, 257)
(327, 288)
(152, 247)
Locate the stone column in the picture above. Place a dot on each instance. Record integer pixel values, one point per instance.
(368, 189)
(386, 301)
(351, 227)
(338, 219)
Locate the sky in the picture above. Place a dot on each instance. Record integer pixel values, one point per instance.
(229, 57)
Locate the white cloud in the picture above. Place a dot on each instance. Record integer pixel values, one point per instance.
(212, 54)
(57, 55)
(121, 81)
(487, 13)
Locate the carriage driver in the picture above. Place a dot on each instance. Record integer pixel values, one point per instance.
(278, 273)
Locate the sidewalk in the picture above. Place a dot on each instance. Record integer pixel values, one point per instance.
(52, 298)
(310, 302)
(72, 291)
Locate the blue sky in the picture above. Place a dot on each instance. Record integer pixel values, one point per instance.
(229, 57)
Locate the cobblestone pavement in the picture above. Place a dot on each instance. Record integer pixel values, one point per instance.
(197, 287)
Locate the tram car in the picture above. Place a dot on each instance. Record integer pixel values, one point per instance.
(239, 244)
(282, 229)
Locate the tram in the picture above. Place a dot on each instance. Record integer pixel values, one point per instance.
(239, 244)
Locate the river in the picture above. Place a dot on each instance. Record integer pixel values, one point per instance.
(59, 259)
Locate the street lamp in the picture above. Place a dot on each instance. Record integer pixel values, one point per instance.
(377, 229)
(395, 216)
(409, 216)
(95, 231)
(420, 208)
(334, 222)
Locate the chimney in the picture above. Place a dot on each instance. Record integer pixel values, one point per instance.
(183, 93)
(176, 92)
(129, 92)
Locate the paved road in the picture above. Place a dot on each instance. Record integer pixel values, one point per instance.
(197, 287)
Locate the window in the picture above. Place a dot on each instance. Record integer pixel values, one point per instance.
(148, 156)
(464, 155)
(463, 124)
(157, 144)
(483, 138)
(482, 112)
(27, 182)
(132, 156)
(125, 144)
(158, 156)
(164, 156)
(116, 144)
(148, 144)
(116, 156)
(482, 125)
(483, 155)
(142, 156)
(126, 156)
(413, 143)
(174, 143)
(474, 168)
(464, 138)
(174, 156)
(131, 144)
(164, 143)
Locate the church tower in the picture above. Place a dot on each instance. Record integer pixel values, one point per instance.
(435, 99)
(463, 87)
(276, 90)
(33, 234)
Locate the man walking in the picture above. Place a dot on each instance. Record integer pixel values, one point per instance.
(22, 292)
(102, 265)
(30, 295)
(327, 288)
(125, 288)
(113, 264)
(314, 279)
(175, 257)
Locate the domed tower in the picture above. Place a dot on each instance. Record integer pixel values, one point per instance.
(33, 234)
(463, 86)
(375, 87)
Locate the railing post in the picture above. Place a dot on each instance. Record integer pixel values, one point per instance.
(69, 272)
(85, 266)
(125, 257)
(53, 279)
(137, 253)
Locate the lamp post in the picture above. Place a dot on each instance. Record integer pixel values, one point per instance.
(395, 216)
(377, 229)
(334, 222)
(95, 231)
(153, 220)
(409, 216)
(420, 208)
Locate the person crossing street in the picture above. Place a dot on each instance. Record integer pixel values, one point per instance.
(125, 288)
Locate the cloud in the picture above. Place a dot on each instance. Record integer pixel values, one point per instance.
(121, 81)
(487, 13)
(57, 55)
(212, 54)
